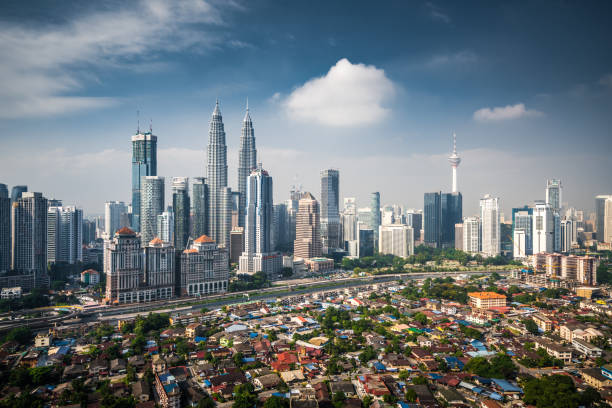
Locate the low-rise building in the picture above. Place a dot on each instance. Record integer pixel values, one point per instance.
(486, 300)
(168, 390)
(586, 348)
(543, 322)
(11, 293)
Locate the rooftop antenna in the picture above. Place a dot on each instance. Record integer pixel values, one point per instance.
(151, 125)
(247, 103)
(138, 119)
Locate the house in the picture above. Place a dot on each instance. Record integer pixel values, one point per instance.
(141, 391)
(595, 378)
(556, 350)
(267, 381)
(193, 329)
(98, 367)
(424, 341)
(168, 390)
(346, 387)
(586, 348)
(43, 340)
(118, 366)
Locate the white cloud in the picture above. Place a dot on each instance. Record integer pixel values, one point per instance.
(436, 13)
(45, 66)
(505, 113)
(348, 95)
(464, 57)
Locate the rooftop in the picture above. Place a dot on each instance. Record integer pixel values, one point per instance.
(486, 295)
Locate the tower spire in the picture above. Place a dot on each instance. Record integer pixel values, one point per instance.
(138, 120)
(454, 161)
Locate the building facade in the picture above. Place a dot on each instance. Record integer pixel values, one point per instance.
(330, 210)
(396, 239)
(151, 205)
(144, 163)
(200, 206)
(181, 208)
(471, 235)
(159, 270)
(204, 268)
(307, 229)
(522, 220)
(247, 162)
(489, 221)
(441, 212)
(115, 217)
(543, 228)
(5, 229)
(64, 234)
(123, 268)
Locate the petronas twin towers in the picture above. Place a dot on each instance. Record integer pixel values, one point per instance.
(220, 202)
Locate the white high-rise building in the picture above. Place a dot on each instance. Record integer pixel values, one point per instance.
(567, 235)
(489, 218)
(543, 228)
(603, 218)
(519, 248)
(151, 205)
(165, 226)
(471, 235)
(553, 194)
(396, 239)
(115, 217)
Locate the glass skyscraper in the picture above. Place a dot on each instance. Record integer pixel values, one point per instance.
(441, 211)
(375, 220)
(144, 163)
(181, 208)
(522, 220)
(199, 201)
(151, 205)
(330, 212)
(247, 162)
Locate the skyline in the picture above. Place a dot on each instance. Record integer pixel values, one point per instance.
(520, 119)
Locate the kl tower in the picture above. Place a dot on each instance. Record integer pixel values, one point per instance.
(454, 160)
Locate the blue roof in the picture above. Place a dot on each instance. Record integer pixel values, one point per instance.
(483, 380)
(477, 390)
(199, 339)
(248, 360)
(434, 376)
(252, 335)
(495, 396)
(379, 366)
(506, 386)
(207, 383)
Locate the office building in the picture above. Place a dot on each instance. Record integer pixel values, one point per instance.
(519, 244)
(200, 204)
(204, 268)
(602, 219)
(159, 270)
(151, 205)
(454, 161)
(220, 197)
(441, 212)
(567, 235)
(522, 220)
(236, 244)
(235, 209)
(115, 217)
(5, 229)
(292, 205)
(489, 224)
(330, 210)
(396, 239)
(486, 300)
(123, 267)
(553, 194)
(280, 239)
(307, 229)
(459, 236)
(375, 219)
(471, 235)
(144, 164)
(258, 255)
(165, 226)
(181, 209)
(89, 232)
(64, 234)
(414, 219)
(365, 243)
(17, 191)
(29, 239)
(247, 162)
(543, 228)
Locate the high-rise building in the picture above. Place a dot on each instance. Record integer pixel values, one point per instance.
(236, 244)
(29, 239)
(220, 200)
(115, 217)
(375, 221)
(200, 203)
(414, 219)
(553, 194)
(159, 272)
(600, 215)
(471, 235)
(365, 243)
(330, 211)
(89, 232)
(349, 221)
(204, 268)
(258, 255)
(459, 236)
(181, 209)
(522, 220)
(165, 226)
(607, 230)
(5, 229)
(247, 162)
(307, 229)
(235, 209)
(292, 205)
(454, 161)
(280, 233)
(567, 235)
(123, 267)
(543, 228)
(441, 212)
(151, 205)
(64, 234)
(144, 164)
(489, 224)
(396, 239)
(17, 191)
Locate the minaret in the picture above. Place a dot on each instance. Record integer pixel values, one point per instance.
(247, 162)
(454, 160)
(216, 171)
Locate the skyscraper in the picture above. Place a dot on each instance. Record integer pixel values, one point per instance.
(454, 160)
(567, 235)
(144, 163)
(200, 203)
(220, 204)
(522, 220)
(17, 191)
(349, 221)
(64, 234)
(330, 213)
(375, 221)
(414, 219)
(29, 239)
(307, 229)
(601, 216)
(165, 226)
(471, 235)
(543, 228)
(181, 209)
(396, 239)
(115, 217)
(489, 224)
(5, 229)
(257, 255)
(553, 194)
(151, 205)
(440, 214)
(247, 162)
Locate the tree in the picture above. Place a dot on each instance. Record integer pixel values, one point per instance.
(390, 399)
(419, 380)
(554, 391)
(367, 401)
(206, 402)
(403, 375)
(531, 326)
(22, 335)
(276, 402)
(244, 396)
(410, 395)
(338, 399)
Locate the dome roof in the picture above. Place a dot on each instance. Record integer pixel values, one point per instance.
(204, 239)
(125, 231)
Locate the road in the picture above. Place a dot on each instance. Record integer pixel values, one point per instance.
(289, 289)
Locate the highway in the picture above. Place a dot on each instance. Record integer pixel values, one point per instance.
(112, 313)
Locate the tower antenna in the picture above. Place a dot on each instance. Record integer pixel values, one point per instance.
(138, 119)
(151, 125)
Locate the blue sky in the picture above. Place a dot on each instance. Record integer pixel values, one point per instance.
(374, 89)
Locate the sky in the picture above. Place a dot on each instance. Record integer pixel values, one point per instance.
(374, 89)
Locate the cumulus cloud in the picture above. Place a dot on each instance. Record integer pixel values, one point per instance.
(348, 95)
(45, 66)
(507, 112)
